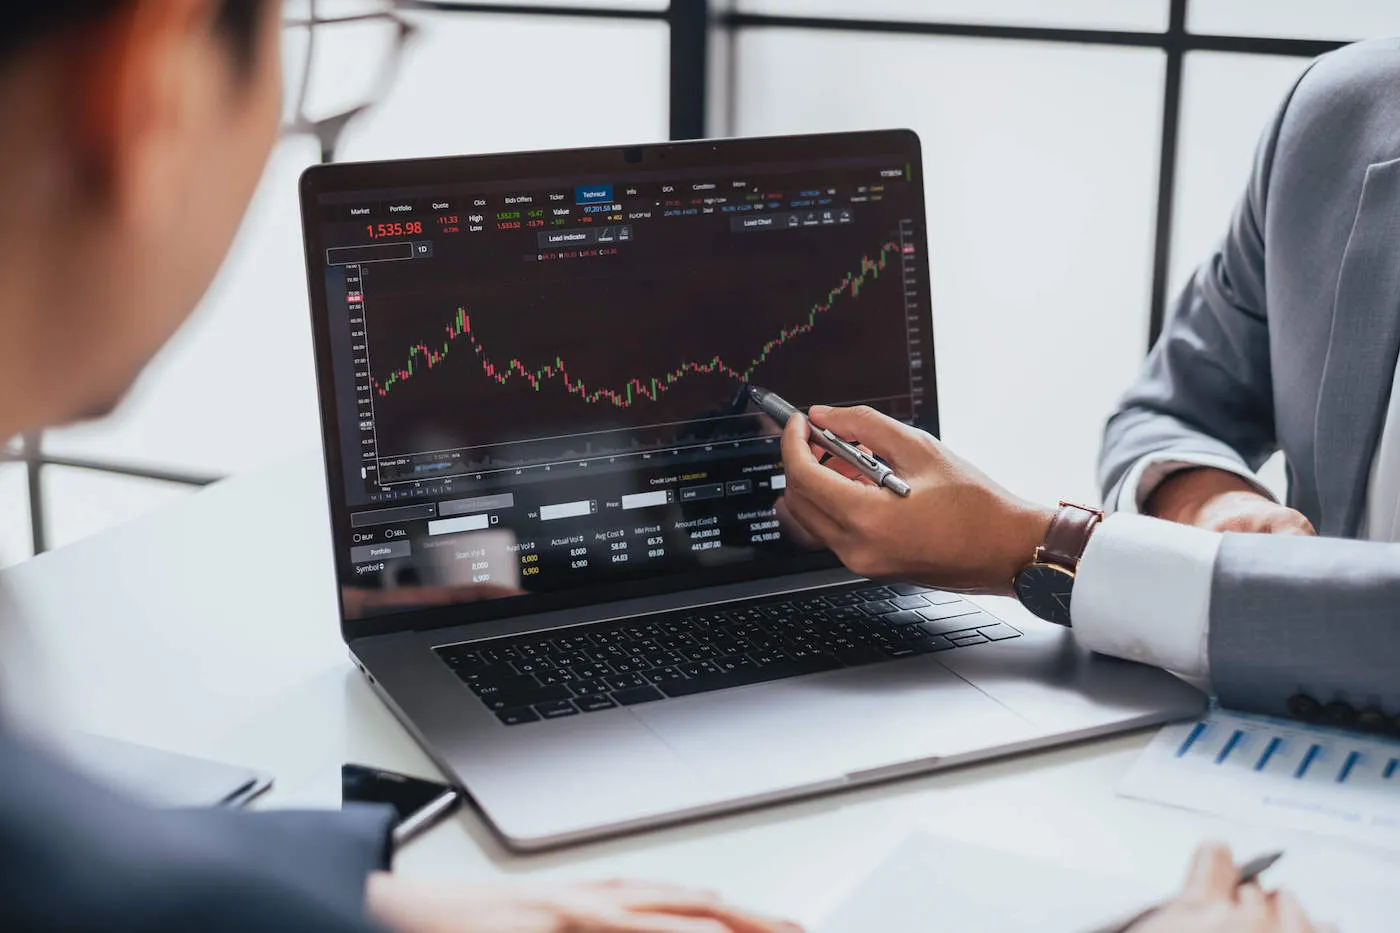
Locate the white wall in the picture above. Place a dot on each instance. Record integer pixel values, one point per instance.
(1042, 167)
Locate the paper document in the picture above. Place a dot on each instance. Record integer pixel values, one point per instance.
(1276, 772)
(929, 883)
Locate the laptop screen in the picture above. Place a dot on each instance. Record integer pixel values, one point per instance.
(532, 367)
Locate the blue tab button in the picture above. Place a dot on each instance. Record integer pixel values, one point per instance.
(593, 194)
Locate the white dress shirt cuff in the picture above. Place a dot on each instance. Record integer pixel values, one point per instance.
(1150, 471)
(1143, 593)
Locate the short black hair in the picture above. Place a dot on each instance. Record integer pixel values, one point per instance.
(28, 21)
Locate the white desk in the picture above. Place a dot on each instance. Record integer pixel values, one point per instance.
(210, 629)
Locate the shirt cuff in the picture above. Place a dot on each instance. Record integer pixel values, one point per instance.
(1142, 592)
(1151, 471)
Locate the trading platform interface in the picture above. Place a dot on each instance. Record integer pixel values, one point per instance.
(540, 384)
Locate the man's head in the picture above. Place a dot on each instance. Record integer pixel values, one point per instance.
(135, 133)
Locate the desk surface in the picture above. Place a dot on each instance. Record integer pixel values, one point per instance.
(210, 628)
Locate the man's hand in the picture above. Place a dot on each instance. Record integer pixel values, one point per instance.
(611, 907)
(956, 530)
(1210, 902)
(1218, 500)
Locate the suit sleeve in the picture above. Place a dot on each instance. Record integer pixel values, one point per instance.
(1205, 394)
(74, 855)
(1314, 617)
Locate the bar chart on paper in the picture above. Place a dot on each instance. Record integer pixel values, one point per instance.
(1277, 772)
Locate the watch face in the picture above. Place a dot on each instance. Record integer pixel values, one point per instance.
(1045, 590)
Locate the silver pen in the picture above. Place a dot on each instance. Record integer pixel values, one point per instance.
(780, 410)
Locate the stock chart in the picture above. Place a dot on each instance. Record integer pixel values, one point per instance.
(608, 351)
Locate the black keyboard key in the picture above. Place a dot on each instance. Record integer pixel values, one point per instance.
(876, 592)
(963, 639)
(637, 695)
(487, 674)
(664, 675)
(928, 644)
(503, 684)
(743, 677)
(837, 600)
(877, 607)
(903, 617)
(999, 632)
(907, 589)
(947, 610)
(594, 702)
(948, 626)
(624, 681)
(700, 653)
(587, 687)
(554, 677)
(900, 650)
(734, 662)
(515, 717)
(591, 671)
(523, 693)
(531, 665)
(858, 655)
(629, 665)
(556, 710)
(845, 614)
(459, 656)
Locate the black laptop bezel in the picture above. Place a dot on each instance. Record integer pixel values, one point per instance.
(571, 163)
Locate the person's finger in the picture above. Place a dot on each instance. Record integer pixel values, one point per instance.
(1291, 918)
(629, 922)
(823, 488)
(737, 921)
(1212, 875)
(798, 532)
(1254, 908)
(902, 446)
(815, 522)
(649, 895)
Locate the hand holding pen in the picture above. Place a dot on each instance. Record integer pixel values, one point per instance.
(1219, 897)
(864, 463)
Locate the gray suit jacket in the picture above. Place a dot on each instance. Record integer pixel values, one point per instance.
(75, 856)
(1287, 339)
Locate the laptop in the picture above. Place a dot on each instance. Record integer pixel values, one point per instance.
(553, 510)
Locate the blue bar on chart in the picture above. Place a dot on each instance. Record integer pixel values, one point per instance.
(1350, 763)
(1308, 759)
(1274, 744)
(1195, 734)
(1229, 746)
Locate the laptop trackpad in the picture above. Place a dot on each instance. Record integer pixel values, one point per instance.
(828, 725)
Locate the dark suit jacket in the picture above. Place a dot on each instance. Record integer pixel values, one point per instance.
(77, 856)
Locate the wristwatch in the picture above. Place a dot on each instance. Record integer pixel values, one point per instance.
(1046, 584)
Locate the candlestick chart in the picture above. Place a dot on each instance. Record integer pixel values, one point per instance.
(556, 364)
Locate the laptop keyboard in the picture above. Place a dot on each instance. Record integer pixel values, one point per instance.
(589, 668)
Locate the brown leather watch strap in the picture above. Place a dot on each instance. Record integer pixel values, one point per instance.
(1068, 535)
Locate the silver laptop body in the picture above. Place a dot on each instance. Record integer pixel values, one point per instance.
(556, 548)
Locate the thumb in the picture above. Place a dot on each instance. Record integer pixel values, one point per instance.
(903, 446)
(1212, 876)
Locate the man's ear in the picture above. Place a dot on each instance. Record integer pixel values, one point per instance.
(135, 76)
